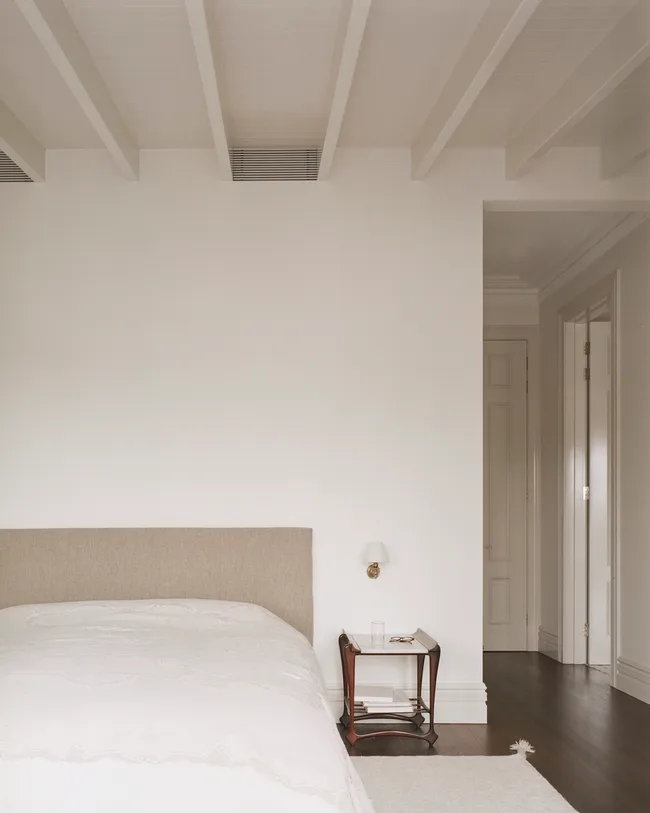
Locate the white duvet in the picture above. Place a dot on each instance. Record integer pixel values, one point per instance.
(156, 706)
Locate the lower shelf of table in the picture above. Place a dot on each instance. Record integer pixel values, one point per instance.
(352, 735)
(419, 708)
(416, 718)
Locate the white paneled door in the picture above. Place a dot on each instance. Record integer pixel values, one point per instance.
(505, 509)
(599, 610)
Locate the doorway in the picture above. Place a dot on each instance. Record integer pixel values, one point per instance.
(505, 483)
(589, 566)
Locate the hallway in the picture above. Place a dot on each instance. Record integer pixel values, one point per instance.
(592, 742)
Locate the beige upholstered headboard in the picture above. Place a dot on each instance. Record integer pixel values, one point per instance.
(267, 566)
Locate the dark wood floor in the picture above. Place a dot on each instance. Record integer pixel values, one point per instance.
(592, 742)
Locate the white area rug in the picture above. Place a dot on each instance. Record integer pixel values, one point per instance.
(434, 784)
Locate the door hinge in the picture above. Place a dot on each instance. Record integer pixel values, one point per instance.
(587, 374)
(587, 348)
(586, 493)
(585, 630)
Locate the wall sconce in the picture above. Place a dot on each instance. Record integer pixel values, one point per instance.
(375, 555)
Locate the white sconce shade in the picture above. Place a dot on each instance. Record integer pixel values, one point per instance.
(375, 554)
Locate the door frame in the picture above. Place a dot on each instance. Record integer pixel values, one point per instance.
(529, 334)
(572, 534)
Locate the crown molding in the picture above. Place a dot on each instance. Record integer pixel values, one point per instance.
(592, 251)
(504, 281)
(507, 285)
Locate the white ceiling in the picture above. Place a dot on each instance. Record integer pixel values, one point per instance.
(34, 92)
(145, 55)
(275, 61)
(530, 249)
(424, 74)
(617, 112)
(408, 52)
(276, 64)
(558, 37)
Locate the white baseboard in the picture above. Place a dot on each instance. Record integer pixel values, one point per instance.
(633, 678)
(455, 702)
(548, 643)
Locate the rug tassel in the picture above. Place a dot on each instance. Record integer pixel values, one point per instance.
(522, 747)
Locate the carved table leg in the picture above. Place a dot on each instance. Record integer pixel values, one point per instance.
(348, 654)
(418, 719)
(345, 717)
(434, 660)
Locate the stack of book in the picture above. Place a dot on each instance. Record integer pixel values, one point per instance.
(381, 700)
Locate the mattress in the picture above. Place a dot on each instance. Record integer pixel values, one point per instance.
(157, 706)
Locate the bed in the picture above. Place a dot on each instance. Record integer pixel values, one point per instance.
(158, 670)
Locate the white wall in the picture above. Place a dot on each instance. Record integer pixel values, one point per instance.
(179, 352)
(632, 259)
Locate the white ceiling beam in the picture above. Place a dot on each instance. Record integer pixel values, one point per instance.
(20, 145)
(204, 48)
(502, 23)
(629, 146)
(347, 63)
(50, 21)
(610, 64)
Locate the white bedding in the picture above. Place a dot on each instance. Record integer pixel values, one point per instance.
(157, 706)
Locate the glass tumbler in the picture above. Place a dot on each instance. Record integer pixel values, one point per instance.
(377, 633)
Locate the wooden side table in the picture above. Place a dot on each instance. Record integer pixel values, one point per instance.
(351, 646)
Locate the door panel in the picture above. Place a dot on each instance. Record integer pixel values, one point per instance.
(498, 431)
(505, 505)
(599, 537)
(499, 601)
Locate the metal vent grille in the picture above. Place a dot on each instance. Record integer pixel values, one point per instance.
(273, 164)
(10, 172)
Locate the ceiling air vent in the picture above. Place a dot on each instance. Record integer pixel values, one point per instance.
(10, 172)
(275, 164)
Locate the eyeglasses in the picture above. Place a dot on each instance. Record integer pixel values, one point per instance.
(405, 639)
